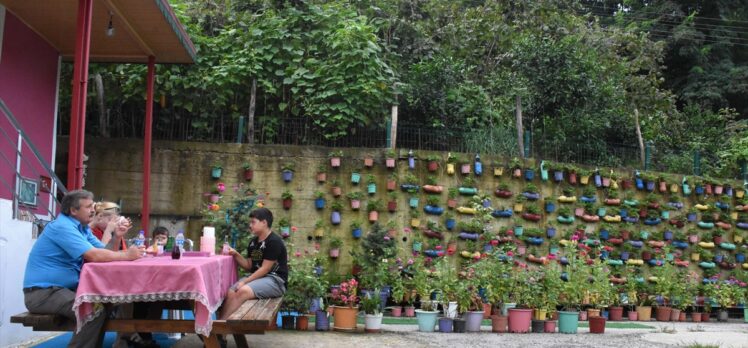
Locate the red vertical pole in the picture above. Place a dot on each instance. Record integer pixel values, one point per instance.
(79, 90)
(148, 128)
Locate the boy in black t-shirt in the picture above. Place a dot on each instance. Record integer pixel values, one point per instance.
(267, 261)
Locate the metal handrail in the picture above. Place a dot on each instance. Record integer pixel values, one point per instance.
(22, 137)
(9, 116)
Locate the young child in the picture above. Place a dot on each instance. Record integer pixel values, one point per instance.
(160, 235)
(266, 261)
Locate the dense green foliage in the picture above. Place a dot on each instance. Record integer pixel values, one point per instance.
(582, 68)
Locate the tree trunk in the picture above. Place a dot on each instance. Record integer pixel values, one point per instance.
(103, 119)
(251, 115)
(639, 137)
(520, 141)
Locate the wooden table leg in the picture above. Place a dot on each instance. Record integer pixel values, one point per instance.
(211, 341)
(241, 341)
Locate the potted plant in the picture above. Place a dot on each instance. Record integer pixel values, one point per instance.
(287, 170)
(285, 227)
(371, 184)
(319, 229)
(390, 158)
(432, 206)
(368, 161)
(335, 157)
(355, 198)
(451, 160)
(373, 206)
(452, 197)
(356, 175)
(345, 306)
(335, 244)
(392, 182)
(370, 304)
(287, 197)
(248, 172)
(433, 162)
(319, 200)
(216, 171)
(335, 188)
(392, 202)
(303, 287)
(321, 173)
(335, 216)
(423, 285)
(355, 229)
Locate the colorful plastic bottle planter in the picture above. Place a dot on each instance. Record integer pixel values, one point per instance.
(531, 196)
(467, 191)
(705, 225)
(433, 210)
(565, 219)
(587, 199)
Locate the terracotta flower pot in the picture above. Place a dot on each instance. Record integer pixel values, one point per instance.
(433, 166)
(397, 311)
(321, 177)
(615, 313)
(302, 322)
(662, 313)
(391, 185)
(249, 174)
(696, 317)
(345, 318)
(499, 323)
(337, 191)
(287, 203)
(597, 325)
(674, 314)
(644, 313)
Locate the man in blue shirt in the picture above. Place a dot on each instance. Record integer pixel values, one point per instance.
(54, 265)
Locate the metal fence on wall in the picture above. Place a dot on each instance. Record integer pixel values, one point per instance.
(302, 131)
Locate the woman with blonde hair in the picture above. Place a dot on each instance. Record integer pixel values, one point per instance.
(107, 223)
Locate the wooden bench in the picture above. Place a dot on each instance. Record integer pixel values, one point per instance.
(253, 317)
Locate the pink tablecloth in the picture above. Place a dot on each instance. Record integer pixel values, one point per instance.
(203, 279)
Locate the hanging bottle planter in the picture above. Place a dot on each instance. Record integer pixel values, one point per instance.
(505, 213)
(433, 210)
(529, 174)
(478, 166)
(216, 171)
(465, 168)
(598, 179)
(319, 203)
(639, 183)
(411, 160)
(335, 217)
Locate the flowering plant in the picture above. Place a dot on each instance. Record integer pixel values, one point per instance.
(346, 294)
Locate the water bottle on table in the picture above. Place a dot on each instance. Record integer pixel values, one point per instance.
(225, 249)
(179, 240)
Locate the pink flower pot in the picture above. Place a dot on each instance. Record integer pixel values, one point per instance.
(397, 311)
(519, 320)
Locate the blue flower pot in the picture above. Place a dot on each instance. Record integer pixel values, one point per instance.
(355, 178)
(598, 180)
(335, 218)
(478, 168)
(550, 232)
(450, 224)
(413, 202)
(558, 175)
(529, 174)
(215, 173)
(356, 233)
(371, 188)
(287, 175)
(319, 203)
(699, 190)
(639, 183)
(650, 186)
(550, 207)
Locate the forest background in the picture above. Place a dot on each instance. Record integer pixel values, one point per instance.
(587, 75)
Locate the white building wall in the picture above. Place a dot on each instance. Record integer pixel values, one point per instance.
(15, 244)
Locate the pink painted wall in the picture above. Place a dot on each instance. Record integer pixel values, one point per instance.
(28, 82)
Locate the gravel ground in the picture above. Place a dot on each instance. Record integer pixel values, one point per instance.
(728, 335)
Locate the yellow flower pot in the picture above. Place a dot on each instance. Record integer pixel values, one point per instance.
(518, 207)
(466, 210)
(319, 232)
(539, 314)
(415, 222)
(745, 265)
(584, 179)
(695, 256)
(737, 239)
(450, 168)
(739, 194)
(498, 171)
(734, 215)
(674, 188)
(701, 207)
